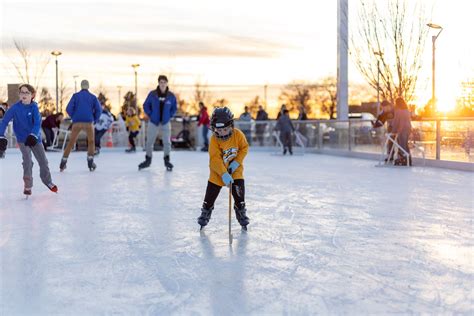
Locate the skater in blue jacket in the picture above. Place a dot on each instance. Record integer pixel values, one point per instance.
(26, 126)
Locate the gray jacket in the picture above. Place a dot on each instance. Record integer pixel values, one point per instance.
(401, 123)
(284, 124)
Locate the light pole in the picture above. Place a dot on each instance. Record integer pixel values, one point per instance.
(265, 87)
(119, 96)
(433, 64)
(56, 53)
(135, 66)
(75, 83)
(380, 54)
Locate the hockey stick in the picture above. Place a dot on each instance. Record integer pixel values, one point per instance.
(230, 213)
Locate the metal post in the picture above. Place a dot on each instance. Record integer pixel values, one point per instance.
(136, 84)
(342, 59)
(57, 87)
(265, 94)
(433, 70)
(75, 83)
(438, 139)
(119, 95)
(349, 137)
(56, 53)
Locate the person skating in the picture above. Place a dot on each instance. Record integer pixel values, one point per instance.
(204, 121)
(26, 126)
(227, 150)
(101, 126)
(160, 106)
(401, 125)
(84, 109)
(286, 128)
(132, 122)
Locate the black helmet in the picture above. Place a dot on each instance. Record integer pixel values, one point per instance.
(222, 117)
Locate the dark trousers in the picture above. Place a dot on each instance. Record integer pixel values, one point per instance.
(131, 138)
(49, 133)
(98, 136)
(212, 192)
(285, 138)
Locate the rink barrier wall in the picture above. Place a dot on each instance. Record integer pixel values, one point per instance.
(444, 142)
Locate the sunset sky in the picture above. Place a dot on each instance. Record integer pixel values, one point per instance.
(236, 47)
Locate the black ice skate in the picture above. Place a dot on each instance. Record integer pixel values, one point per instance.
(145, 164)
(169, 166)
(62, 165)
(27, 192)
(90, 163)
(130, 150)
(203, 220)
(241, 214)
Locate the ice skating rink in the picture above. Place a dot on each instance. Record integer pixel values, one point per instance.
(328, 235)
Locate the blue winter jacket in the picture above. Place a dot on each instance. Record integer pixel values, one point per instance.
(84, 107)
(26, 120)
(152, 107)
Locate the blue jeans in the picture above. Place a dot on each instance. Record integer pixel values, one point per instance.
(205, 131)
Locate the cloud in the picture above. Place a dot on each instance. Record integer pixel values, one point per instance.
(210, 45)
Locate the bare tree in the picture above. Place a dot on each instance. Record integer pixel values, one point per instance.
(201, 94)
(45, 102)
(30, 69)
(392, 32)
(325, 95)
(253, 105)
(295, 94)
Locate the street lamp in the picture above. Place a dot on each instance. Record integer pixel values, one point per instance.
(380, 54)
(135, 66)
(56, 53)
(119, 96)
(75, 83)
(433, 79)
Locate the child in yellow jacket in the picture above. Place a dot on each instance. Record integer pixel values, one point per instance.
(132, 122)
(227, 150)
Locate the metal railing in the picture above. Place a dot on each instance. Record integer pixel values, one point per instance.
(448, 139)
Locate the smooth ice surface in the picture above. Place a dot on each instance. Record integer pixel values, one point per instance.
(327, 235)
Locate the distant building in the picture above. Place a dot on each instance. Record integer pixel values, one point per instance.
(13, 94)
(365, 107)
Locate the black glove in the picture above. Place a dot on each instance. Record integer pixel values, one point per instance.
(31, 140)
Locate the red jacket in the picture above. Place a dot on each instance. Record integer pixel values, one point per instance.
(203, 117)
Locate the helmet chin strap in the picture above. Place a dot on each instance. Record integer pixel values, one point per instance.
(224, 137)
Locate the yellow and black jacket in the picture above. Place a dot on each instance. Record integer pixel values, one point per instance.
(132, 123)
(223, 152)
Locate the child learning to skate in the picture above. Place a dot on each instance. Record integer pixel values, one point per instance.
(227, 150)
(26, 126)
(132, 122)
